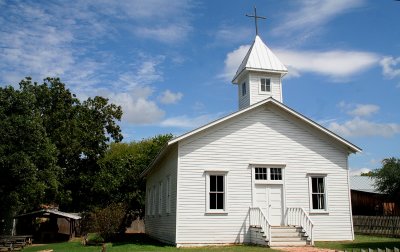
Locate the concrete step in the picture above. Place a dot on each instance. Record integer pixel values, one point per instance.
(288, 239)
(288, 243)
(286, 228)
(294, 234)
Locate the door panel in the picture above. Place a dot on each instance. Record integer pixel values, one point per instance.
(269, 199)
(275, 204)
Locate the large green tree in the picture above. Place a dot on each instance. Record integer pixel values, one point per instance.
(28, 158)
(50, 143)
(118, 179)
(388, 177)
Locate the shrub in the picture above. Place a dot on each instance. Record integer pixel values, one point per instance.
(107, 222)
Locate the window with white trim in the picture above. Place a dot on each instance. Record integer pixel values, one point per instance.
(318, 197)
(148, 201)
(265, 85)
(244, 89)
(216, 192)
(268, 174)
(160, 197)
(168, 191)
(153, 201)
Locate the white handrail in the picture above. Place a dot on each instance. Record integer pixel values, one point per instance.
(258, 218)
(297, 216)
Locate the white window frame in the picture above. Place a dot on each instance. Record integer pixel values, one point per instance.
(160, 184)
(225, 179)
(168, 195)
(268, 180)
(148, 202)
(153, 203)
(310, 193)
(244, 89)
(270, 86)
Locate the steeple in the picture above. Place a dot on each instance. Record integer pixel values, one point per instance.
(259, 76)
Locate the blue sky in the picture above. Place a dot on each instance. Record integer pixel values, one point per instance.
(169, 63)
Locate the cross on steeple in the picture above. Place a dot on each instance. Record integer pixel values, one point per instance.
(255, 18)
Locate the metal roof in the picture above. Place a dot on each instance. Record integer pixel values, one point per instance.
(260, 58)
(363, 184)
(51, 211)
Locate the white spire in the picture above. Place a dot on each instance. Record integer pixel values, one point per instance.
(261, 59)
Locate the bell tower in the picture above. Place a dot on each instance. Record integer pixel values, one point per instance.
(260, 74)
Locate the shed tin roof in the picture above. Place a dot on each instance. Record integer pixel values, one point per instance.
(363, 184)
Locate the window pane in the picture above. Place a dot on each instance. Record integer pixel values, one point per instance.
(276, 173)
(220, 183)
(213, 201)
(260, 173)
(314, 182)
(220, 201)
(318, 201)
(213, 183)
(318, 185)
(321, 185)
(267, 85)
(315, 201)
(321, 201)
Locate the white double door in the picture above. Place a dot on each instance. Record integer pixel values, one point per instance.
(270, 199)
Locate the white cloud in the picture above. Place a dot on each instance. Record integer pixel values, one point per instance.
(358, 171)
(138, 109)
(307, 16)
(362, 110)
(359, 110)
(232, 34)
(232, 62)
(358, 127)
(147, 72)
(172, 33)
(189, 122)
(336, 64)
(389, 65)
(168, 97)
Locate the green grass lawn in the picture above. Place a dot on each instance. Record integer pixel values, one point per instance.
(362, 241)
(138, 243)
(142, 243)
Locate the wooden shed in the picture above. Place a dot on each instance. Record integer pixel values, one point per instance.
(367, 200)
(48, 225)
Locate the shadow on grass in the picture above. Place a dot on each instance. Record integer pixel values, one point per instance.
(375, 245)
(362, 242)
(137, 239)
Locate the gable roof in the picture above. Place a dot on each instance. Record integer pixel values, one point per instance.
(351, 147)
(363, 184)
(260, 58)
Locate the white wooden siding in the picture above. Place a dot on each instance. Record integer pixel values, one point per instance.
(266, 135)
(163, 226)
(254, 84)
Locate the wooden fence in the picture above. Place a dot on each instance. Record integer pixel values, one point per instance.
(377, 225)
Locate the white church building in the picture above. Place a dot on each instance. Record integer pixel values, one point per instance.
(265, 174)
